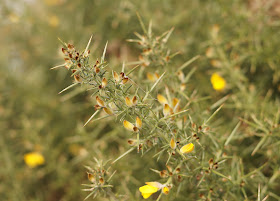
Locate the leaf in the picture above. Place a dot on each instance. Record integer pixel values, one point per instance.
(95, 113)
(104, 52)
(58, 66)
(188, 63)
(72, 85)
(124, 154)
(88, 45)
(232, 133)
(213, 114)
(141, 23)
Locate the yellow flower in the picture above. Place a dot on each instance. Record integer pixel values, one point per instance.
(153, 77)
(165, 190)
(34, 159)
(172, 143)
(53, 2)
(13, 18)
(218, 82)
(53, 21)
(188, 148)
(149, 189)
(129, 126)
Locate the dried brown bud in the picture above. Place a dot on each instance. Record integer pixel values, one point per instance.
(201, 195)
(140, 147)
(64, 51)
(91, 177)
(101, 181)
(179, 177)
(131, 142)
(97, 70)
(215, 166)
(149, 143)
(167, 58)
(193, 125)
(169, 168)
(70, 46)
(97, 107)
(163, 173)
(125, 80)
(178, 170)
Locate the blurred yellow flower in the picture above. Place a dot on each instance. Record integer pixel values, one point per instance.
(34, 159)
(53, 21)
(218, 82)
(165, 190)
(13, 18)
(53, 2)
(188, 148)
(149, 189)
(152, 77)
(172, 143)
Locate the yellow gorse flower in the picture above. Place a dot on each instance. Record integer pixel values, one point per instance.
(188, 148)
(167, 109)
(165, 190)
(149, 189)
(153, 77)
(172, 143)
(53, 21)
(34, 159)
(129, 126)
(218, 82)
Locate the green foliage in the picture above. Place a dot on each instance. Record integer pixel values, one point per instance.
(235, 130)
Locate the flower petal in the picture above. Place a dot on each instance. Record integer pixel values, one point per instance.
(104, 82)
(146, 195)
(34, 159)
(148, 189)
(172, 143)
(154, 184)
(128, 102)
(151, 77)
(167, 110)
(134, 100)
(138, 122)
(108, 110)
(116, 77)
(165, 190)
(129, 126)
(162, 99)
(100, 102)
(188, 148)
(218, 82)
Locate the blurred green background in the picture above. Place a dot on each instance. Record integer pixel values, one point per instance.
(35, 118)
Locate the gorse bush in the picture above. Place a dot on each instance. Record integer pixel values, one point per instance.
(165, 122)
(184, 107)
